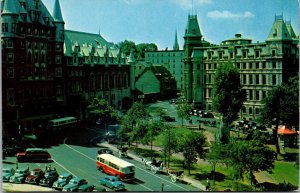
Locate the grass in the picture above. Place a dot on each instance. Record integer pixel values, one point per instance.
(286, 171)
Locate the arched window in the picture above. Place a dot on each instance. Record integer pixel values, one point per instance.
(125, 80)
(119, 80)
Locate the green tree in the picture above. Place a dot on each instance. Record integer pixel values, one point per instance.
(183, 109)
(143, 47)
(135, 122)
(126, 47)
(228, 96)
(248, 157)
(169, 143)
(160, 112)
(191, 145)
(281, 106)
(101, 109)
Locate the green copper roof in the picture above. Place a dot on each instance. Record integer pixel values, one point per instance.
(290, 29)
(279, 30)
(9, 7)
(57, 16)
(192, 28)
(131, 56)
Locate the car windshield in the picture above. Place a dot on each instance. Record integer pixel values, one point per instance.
(73, 182)
(129, 169)
(33, 173)
(62, 177)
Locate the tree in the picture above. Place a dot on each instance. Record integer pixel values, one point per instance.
(126, 47)
(135, 122)
(191, 145)
(183, 109)
(143, 47)
(101, 109)
(228, 96)
(160, 112)
(249, 157)
(169, 142)
(281, 106)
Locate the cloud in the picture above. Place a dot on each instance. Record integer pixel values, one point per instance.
(188, 4)
(229, 15)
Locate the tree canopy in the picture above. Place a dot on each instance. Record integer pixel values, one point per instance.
(228, 96)
(139, 49)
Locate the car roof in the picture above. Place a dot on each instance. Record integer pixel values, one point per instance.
(35, 149)
(66, 174)
(77, 179)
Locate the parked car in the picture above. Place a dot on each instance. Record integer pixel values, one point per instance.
(19, 175)
(74, 184)
(86, 188)
(105, 150)
(33, 154)
(7, 172)
(112, 182)
(35, 176)
(207, 115)
(168, 118)
(173, 101)
(50, 177)
(63, 180)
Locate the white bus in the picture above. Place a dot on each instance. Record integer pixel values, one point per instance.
(62, 122)
(115, 166)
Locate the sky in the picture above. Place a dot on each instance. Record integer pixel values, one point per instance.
(156, 21)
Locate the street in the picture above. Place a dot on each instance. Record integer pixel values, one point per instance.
(76, 154)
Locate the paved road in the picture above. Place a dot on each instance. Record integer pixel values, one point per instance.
(77, 154)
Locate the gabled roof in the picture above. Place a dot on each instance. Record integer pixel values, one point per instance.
(9, 7)
(192, 28)
(279, 30)
(57, 16)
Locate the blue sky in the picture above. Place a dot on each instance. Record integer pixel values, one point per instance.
(155, 21)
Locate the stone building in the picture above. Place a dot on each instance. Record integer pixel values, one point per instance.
(262, 65)
(171, 59)
(48, 71)
(32, 68)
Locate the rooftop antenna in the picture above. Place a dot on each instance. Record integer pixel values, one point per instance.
(99, 31)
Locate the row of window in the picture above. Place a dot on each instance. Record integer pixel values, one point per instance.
(96, 59)
(163, 54)
(259, 79)
(251, 94)
(233, 55)
(245, 65)
(162, 61)
(15, 28)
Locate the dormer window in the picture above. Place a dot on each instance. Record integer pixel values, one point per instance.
(275, 33)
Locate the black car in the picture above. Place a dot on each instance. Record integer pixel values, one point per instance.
(50, 177)
(168, 118)
(207, 115)
(105, 150)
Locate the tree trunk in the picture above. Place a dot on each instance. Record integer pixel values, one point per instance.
(275, 137)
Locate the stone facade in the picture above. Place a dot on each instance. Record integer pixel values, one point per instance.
(262, 66)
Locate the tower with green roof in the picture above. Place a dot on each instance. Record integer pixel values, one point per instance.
(193, 63)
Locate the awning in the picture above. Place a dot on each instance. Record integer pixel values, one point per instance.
(285, 130)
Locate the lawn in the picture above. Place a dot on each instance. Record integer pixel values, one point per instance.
(286, 171)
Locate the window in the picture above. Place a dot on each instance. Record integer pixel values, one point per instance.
(244, 109)
(250, 95)
(250, 79)
(4, 27)
(9, 43)
(14, 27)
(264, 65)
(250, 110)
(244, 65)
(244, 54)
(10, 57)
(273, 53)
(10, 72)
(244, 79)
(274, 65)
(257, 54)
(57, 47)
(220, 55)
(257, 95)
(250, 65)
(264, 94)
(10, 97)
(257, 79)
(264, 80)
(58, 59)
(257, 65)
(231, 55)
(274, 80)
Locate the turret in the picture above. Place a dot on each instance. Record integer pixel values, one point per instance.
(58, 22)
(176, 45)
(9, 17)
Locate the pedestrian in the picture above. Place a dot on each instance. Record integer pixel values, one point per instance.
(207, 184)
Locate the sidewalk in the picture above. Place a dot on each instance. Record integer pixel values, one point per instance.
(189, 180)
(9, 187)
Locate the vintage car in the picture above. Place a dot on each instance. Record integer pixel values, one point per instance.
(74, 184)
(7, 173)
(50, 177)
(63, 180)
(33, 154)
(105, 150)
(19, 175)
(112, 182)
(168, 118)
(86, 188)
(35, 176)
